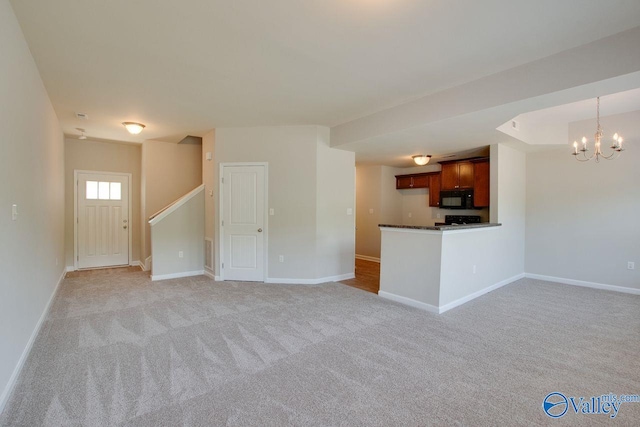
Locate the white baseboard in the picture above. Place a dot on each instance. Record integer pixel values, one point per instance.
(479, 293)
(70, 268)
(137, 264)
(584, 284)
(441, 309)
(368, 258)
(176, 275)
(6, 393)
(311, 281)
(410, 302)
(210, 274)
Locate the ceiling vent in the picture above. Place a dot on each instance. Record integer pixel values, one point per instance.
(82, 116)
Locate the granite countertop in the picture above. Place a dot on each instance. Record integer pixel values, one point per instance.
(443, 227)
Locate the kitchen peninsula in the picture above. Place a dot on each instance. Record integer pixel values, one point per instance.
(437, 268)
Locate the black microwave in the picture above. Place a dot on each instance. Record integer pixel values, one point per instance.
(456, 199)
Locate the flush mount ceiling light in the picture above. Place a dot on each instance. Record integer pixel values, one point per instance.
(82, 136)
(616, 145)
(421, 159)
(133, 127)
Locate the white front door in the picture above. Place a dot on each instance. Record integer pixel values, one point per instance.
(102, 220)
(243, 225)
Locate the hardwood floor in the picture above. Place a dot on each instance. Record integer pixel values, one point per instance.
(367, 276)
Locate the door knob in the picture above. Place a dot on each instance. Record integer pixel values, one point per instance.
(259, 230)
(125, 227)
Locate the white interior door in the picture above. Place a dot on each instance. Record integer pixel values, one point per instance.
(102, 220)
(243, 234)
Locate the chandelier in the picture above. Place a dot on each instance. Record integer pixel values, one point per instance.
(616, 145)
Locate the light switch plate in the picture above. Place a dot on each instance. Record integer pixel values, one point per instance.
(349, 211)
(272, 211)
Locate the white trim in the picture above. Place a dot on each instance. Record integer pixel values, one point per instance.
(147, 263)
(70, 268)
(311, 281)
(167, 210)
(584, 284)
(443, 308)
(368, 258)
(209, 274)
(6, 393)
(137, 264)
(177, 275)
(75, 211)
(220, 228)
(410, 302)
(479, 293)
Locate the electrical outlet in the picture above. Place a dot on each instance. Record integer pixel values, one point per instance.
(14, 212)
(370, 211)
(410, 214)
(438, 215)
(281, 258)
(631, 265)
(272, 211)
(180, 254)
(349, 211)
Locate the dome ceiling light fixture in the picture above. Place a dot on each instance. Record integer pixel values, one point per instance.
(133, 128)
(421, 159)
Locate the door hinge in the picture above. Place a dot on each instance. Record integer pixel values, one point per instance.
(78, 258)
(223, 222)
(223, 180)
(223, 265)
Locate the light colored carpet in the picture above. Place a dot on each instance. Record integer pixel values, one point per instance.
(118, 349)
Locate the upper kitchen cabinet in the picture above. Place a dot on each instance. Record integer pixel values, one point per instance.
(434, 190)
(481, 172)
(456, 175)
(416, 180)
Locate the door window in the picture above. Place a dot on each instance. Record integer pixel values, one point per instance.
(103, 190)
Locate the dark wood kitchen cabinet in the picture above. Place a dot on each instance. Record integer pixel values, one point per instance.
(416, 180)
(456, 175)
(481, 172)
(434, 190)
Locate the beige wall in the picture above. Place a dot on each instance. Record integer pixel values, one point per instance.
(335, 228)
(294, 164)
(169, 171)
(32, 177)
(581, 222)
(368, 202)
(103, 157)
(181, 230)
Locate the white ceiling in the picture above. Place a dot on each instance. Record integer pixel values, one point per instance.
(185, 67)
